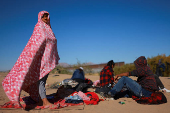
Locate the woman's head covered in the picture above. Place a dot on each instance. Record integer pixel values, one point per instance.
(44, 16)
(110, 63)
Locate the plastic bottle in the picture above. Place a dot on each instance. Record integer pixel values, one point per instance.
(121, 102)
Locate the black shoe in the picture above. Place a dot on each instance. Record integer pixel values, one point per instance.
(110, 95)
(103, 94)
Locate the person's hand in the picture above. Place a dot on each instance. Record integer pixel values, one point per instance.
(116, 81)
(115, 78)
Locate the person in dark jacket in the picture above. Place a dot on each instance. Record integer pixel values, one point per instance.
(160, 84)
(158, 68)
(78, 75)
(145, 85)
(158, 81)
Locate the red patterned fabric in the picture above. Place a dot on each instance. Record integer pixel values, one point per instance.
(156, 98)
(94, 99)
(39, 57)
(106, 76)
(28, 103)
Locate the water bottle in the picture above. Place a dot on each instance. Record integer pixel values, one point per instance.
(121, 102)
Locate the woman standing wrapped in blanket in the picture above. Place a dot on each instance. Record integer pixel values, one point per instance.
(39, 57)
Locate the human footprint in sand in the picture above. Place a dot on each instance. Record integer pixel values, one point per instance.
(39, 57)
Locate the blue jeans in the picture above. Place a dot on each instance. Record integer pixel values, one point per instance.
(132, 86)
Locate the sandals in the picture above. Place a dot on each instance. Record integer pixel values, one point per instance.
(54, 106)
(48, 106)
(42, 107)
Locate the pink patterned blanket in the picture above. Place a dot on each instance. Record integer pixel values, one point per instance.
(39, 57)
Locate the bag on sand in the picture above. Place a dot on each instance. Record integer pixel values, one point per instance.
(82, 87)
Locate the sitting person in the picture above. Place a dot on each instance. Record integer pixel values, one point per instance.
(83, 83)
(160, 84)
(78, 75)
(158, 81)
(145, 85)
(106, 78)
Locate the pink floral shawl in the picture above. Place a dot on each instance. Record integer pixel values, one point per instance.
(39, 57)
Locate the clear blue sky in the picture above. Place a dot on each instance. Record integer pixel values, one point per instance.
(88, 30)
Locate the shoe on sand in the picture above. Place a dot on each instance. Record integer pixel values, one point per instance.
(166, 90)
(105, 96)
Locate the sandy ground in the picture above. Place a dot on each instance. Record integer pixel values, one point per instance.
(111, 106)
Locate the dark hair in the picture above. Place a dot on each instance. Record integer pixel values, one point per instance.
(45, 14)
(110, 63)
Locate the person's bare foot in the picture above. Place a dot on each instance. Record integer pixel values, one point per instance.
(46, 102)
